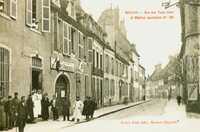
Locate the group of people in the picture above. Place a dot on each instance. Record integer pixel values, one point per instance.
(15, 112)
(12, 112)
(86, 108)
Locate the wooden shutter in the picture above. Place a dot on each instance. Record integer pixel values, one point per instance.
(28, 12)
(13, 9)
(46, 15)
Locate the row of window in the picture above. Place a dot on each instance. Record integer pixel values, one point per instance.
(97, 59)
(115, 67)
(109, 87)
(71, 40)
(35, 16)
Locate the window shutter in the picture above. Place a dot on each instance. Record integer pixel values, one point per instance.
(46, 15)
(28, 12)
(70, 39)
(13, 9)
(55, 31)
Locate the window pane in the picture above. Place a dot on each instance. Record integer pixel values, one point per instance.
(46, 12)
(65, 30)
(14, 9)
(46, 25)
(46, 2)
(66, 47)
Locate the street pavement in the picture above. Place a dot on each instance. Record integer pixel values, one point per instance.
(158, 115)
(155, 116)
(54, 126)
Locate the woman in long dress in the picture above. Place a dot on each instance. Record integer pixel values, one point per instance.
(78, 107)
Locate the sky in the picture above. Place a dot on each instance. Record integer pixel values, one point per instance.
(155, 38)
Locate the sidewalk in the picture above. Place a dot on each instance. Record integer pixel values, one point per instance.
(53, 126)
(173, 111)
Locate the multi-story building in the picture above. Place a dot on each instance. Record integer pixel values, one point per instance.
(56, 47)
(45, 46)
(126, 56)
(189, 54)
(142, 80)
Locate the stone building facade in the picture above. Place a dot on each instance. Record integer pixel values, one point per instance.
(56, 47)
(126, 57)
(189, 54)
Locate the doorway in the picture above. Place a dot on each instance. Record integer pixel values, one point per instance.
(36, 79)
(62, 89)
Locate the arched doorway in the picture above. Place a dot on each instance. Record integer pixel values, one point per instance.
(62, 89)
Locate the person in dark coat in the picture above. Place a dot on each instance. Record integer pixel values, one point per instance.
(178, 98)
(45, 107)
(8, 111)
(21, 115)
(86, 108)
(66, 108)
(93, 107)
(30, 106)
(15, 103)
(2, 114)
(54, 108)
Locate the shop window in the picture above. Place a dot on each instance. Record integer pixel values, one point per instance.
(4, 72)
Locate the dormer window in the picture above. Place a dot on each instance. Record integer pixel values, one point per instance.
(71, 9)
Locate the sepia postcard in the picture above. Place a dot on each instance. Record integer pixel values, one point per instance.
(99, 65)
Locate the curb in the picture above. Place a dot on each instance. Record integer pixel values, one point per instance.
(114, 111)
(105, 114)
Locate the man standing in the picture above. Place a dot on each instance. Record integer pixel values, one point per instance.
(178, 98)
(2, 114)
(78, 107)
(93, 107)
(8, 112)
(15, 103)
(54, 108)
(45, 107)
(21, 115)
(66, 108)
(30, 106)
(86, 108)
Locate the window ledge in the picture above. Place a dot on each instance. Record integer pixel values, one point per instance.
(67, 55)
(35, 30)
(5, 16)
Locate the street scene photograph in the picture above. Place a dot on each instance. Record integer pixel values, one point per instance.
(99, 65)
